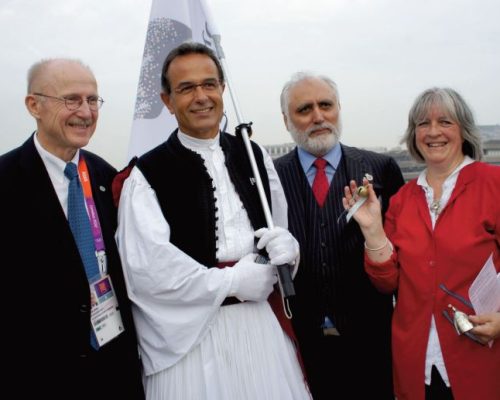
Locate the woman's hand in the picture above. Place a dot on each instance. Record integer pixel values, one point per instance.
(487, 326)
(369, 215)
(369, 218)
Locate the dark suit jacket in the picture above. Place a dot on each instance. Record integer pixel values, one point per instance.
(339, 288)
(46, 303)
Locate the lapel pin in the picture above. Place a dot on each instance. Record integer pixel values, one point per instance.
(102, 188)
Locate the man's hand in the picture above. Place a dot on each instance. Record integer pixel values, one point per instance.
(281, 246)
(252, 281)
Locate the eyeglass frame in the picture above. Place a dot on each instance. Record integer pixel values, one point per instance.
(99, 101)
(191, 87)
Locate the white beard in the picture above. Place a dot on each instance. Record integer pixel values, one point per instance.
(317, 145)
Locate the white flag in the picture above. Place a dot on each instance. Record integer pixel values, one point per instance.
(171, 23)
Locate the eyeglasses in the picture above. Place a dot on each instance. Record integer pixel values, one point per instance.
(73, 103)
(207, 86)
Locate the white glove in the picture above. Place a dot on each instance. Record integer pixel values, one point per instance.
(252, 281)
(280, 245)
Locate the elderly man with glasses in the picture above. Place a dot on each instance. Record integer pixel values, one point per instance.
(68, 329)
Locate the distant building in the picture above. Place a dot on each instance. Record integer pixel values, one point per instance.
(409, 167)
(490, 132)
(278, 150)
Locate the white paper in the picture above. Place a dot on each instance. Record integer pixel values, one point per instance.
(484, 293)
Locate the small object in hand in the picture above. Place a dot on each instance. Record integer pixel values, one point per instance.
(461, 321)
(362, 191)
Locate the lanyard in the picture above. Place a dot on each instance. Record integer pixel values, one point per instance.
(91, 208)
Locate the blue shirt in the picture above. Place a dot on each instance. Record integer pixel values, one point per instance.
(332, 157)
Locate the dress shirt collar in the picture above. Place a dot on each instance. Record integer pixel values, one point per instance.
(54, 165)
(332, 157)
(195, 143)
(450, 181)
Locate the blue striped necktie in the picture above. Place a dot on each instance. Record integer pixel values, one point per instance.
(80, 226)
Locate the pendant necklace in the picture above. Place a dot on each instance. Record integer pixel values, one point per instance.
(435, 206)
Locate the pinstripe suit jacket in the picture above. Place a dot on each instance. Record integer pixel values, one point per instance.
(331, 280)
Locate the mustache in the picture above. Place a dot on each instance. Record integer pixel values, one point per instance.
(80, 121)
(324, 125)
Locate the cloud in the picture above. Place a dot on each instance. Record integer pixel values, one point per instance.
(381, 53)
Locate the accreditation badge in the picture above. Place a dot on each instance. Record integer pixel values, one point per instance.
(105, 314)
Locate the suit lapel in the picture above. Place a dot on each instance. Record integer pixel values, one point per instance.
(465, 176)
(422, 207)
(297, 211)
(48, 223)
(38, 187)
(355, 164)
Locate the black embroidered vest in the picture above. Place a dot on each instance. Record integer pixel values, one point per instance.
(185, 192)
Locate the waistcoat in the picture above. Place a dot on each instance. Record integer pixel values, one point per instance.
(185, 192)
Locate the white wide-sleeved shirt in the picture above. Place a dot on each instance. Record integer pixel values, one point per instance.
(188, 342)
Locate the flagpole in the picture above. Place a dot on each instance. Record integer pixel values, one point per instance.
(285, 276)
(244, 134)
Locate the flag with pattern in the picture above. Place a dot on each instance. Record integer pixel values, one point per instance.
(171, 23)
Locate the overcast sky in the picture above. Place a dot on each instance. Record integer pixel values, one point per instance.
(381, 53)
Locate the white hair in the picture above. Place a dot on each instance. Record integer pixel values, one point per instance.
(297, 78)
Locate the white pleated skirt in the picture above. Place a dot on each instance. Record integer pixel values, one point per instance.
(245, 356)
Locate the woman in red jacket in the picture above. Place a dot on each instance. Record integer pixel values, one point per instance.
(439, 231)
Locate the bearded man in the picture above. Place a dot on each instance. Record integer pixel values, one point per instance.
(342, 322)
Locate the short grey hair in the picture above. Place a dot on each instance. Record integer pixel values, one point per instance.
(297, 78)
(457, 109)
(41, 66)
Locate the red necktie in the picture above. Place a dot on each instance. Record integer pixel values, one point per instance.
(320, 184)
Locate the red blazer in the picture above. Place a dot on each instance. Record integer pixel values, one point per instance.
(466, 233)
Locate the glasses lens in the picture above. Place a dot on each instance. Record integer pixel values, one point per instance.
(185, 89)
(94, 103)
(73, 103)
(207, 86)
(210, 85)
